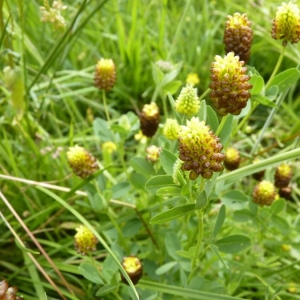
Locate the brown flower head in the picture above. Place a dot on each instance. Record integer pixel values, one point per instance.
(238, 36)
(105, 74)
(229, 86)
(283, 175)
(200, 150)
(81, 161)
(133, 267)
(149, 119)
(264, 193)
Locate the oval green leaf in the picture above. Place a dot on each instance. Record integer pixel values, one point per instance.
(158, 182)
(263, 100)
(142, 166)
(167, 161)
(165, 268)
(286, 79)
(234, 199)
(233, 243)
(172, 213)
(169, 191)
(258, 84)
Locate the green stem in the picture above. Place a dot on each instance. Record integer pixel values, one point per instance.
(105, 105)
(165, 106)
(276, 67)
(221, 125)
(204, 94)
(245, 119)
(199, 242)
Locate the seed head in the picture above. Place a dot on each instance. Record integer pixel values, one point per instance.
(283, 175)
(133, 267)
(105, 74)
(149, 119)
(238, 36)
(81, 161)
(232, 160)
(286, 25)
(165, 66)
(187, 102)
(84, 240)
(229, 86)
(153, 153)
(171, 129)
(264, 193)
(200, 150)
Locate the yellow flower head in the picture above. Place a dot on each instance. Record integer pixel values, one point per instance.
(105, 74)
(286, 25)
(192, 79)
(81, 161)
(199, 149)
(84, 240)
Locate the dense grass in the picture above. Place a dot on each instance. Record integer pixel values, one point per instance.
(53, 105)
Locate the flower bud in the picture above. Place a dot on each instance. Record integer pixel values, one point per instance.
(149, 119)
(84, 240)
(199, 149)
(229, 86)
(286, 25)
(133, 267)
(264, 193)
(81, 161)
(238, 36)
(171, 129)
(283, 175)
(105, 74)
(165, 66)
(187, 102)
(153, 153)
(232, 160)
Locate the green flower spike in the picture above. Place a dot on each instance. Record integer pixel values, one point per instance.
(187, 102)
(171, 129)
(84, 240)
(82, 162)
(238, 36)
(283, 175)
(105, 74)
(200, 150)
(149, 119)
(286, 25)
(229, 86)
(264, 193)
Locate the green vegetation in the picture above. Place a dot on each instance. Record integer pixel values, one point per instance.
(196, 239)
